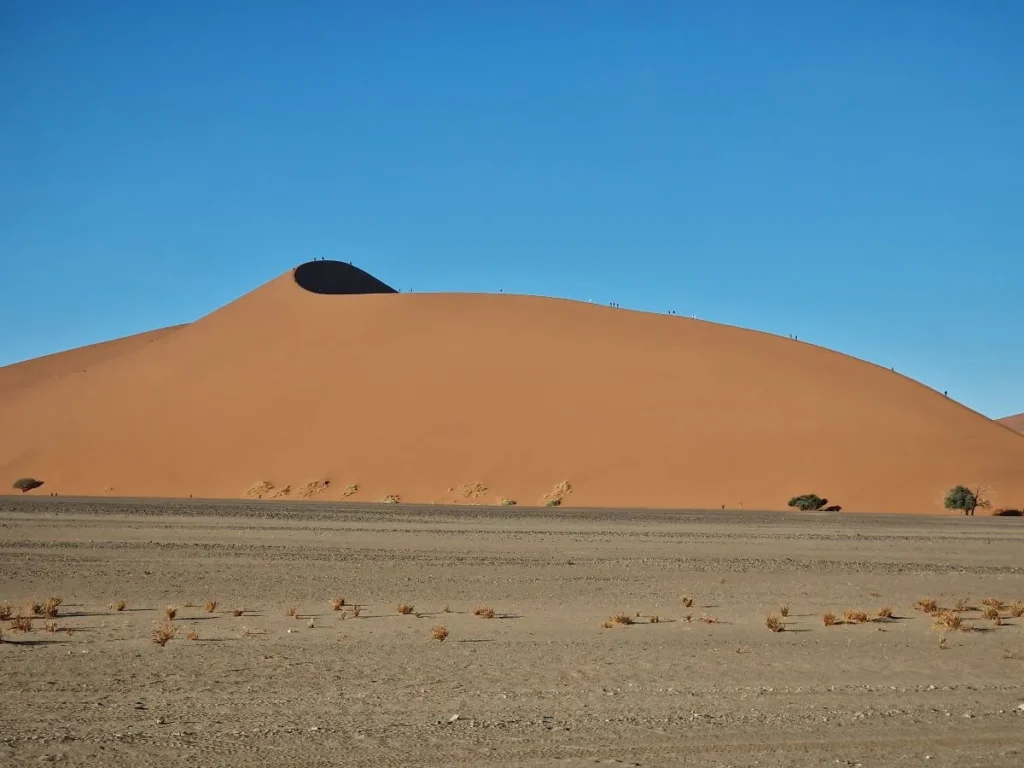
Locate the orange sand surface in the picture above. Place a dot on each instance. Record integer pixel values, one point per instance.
(467, 398)
(1015, 423)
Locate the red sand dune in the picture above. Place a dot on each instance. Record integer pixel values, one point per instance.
(1016, 423)
(419, 395)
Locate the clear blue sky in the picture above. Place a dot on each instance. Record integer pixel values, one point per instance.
(851, 172)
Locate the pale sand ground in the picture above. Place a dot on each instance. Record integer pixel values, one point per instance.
(544, 686)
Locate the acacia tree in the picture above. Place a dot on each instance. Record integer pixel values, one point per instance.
(962, 498)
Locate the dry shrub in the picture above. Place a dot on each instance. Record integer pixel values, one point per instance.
(355, 611)
(709, 619)
(51, 606)
(774, 623)
(784, 610)
(350, 490)
(292, 612)
(311, 624)
(337, 603)
(686, 601)
(855, 617)
(654, 619)
(828, 619)
(607, 624)
(503, 502)
(50, 626)
(193, 635)
(404, 608)
(439, 633)
(961, 605)
(391, 498)
(237, 612)
(942, 643)
(211, 606)
(120, 605)
(171, 612)
(885, 612)
(1017, 609)
(6, 611)
(164, 633)
(991, 613)
(22, 624)
(688, 617)
(927, 604)
(993, 602)
(446, 609)
(946, 621)
(259, 490)
(621, 619)
(32, 608)
(314, 488)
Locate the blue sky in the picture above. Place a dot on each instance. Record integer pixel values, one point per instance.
(852, 173)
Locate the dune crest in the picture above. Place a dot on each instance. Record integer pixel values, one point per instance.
(1016, 423)
(410, 395)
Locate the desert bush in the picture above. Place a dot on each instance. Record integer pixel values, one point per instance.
(237, 612)
(687, 601)
(808, 502)
(120, 605)
(193, 634)
(33, 608)
(927, 604)
(1017, 609)
(355, 611)
(6, 611)
(50, 625)
(171, 612)
(311, 624)
(292, 612)
(439, 633)
(709, 619)
(621, 619)
(21, 624)
(774, 623)
(993, 602)
(855, 617)
(211, 606)
(607, 624)
(784, 610)
(51, 607)
(404, 608)
(1009, 512)
(391, 498)
(828, 619)
(553, 503)
(26, 484)
(947, 620)
(885, 612)
(350, 490)
(654, 619)
(506, 502)
(961, 605)
(164, 633)
(446, 609)
(991, 613)
(337, 603)
(483, 612)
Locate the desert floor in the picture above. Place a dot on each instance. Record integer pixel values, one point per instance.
(542, 683)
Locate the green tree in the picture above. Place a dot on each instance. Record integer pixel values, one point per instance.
(964, 499)
(809, 502)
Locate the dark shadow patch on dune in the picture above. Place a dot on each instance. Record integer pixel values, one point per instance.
(337, 277)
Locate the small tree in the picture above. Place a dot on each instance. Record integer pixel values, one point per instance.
(809, 502)
(25, 484)
(962, 498)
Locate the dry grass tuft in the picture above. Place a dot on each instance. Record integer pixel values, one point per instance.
(50, 626)
(211, 606)
(1017, 609)
(991, 613)
(784, 610)
(292, 612)
(311, 624)
(942, 643)
(171, 612)
(337, 603)
(961, 605)
(688, 617)
(193, 635)
(948, 621)
(391, 498)
(404, 608)
(607, 624)
(237, 612)
(993, 602)
(927, 604)
(259, 490)
(709, 619)
(855, 617)
(6, 612)
(483, 612)
(32, 608)
(774, 623)
(51, 606)
(120, 605)
(621, 619)
(446, 609)
(828, 619)
(503, 502)
(350, 490)
(439, 633)
(885, 612)
(686, 601)
(164, 633)
(21, 624)
(654, 619)
(355, 611)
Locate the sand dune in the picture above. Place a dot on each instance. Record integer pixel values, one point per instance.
(469, 398)
(1015, 423)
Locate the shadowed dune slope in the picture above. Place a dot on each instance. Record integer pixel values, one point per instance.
(1015, 423)
(32, 373)
(419, 394)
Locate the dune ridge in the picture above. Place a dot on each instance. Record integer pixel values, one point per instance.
(1016, 423)
(417, 396)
